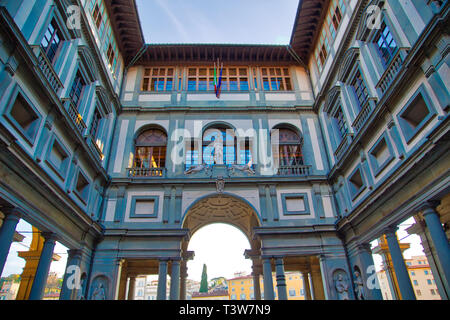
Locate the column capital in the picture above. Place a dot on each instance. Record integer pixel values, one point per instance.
(390, 231)
(74, 253)
(428, 207)
(49, 236)
(12, 213)
(364, 247)
(279, 259)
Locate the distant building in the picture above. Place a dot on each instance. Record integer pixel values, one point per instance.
(421, 278)
(9, 286)
(53, 287)
(219, 294)
(242, 287)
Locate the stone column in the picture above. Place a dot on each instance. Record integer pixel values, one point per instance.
(162, 280)
(40, 278)
(281, 279)
(317, 285)
(306, 287)
(401, 272)
(131, 287)
(72, 276)
(256, 286)
(7, 234)
(175, 281)
(371, 286)
(183, 277)
(268, 282)
(438, 238)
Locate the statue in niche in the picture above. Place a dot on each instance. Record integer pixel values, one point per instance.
(341, 286)
(359, 286)
(80, 295)
(99, 292)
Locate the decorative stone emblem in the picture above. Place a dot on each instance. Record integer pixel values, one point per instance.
(198, 168)
(220, 184)
(244, 168)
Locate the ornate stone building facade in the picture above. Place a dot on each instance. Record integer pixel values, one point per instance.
(121, 150)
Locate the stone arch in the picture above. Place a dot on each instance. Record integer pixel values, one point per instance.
(222, 208)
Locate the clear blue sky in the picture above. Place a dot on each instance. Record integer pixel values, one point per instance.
(214, 21)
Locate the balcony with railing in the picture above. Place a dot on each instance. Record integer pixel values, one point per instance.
(392, 70)
(146, 172)
(343, 146)
(47, 68)
(294, 170)
(76, 117)
(364, 114)
(94, 147)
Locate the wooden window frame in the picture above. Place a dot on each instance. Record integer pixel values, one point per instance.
(76, 82)
(328, 32)
(197, 77)
(55, 34)
(283, 77)
(161, 149)
(149, 77)
(380, 35)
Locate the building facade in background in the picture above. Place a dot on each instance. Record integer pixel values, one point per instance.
(121, 150)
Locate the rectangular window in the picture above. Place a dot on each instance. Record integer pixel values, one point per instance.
(58, 158)
(24, 117)
(341, 122)
(192, 158)
(95, 126)
(385, 43)
(150, 157)
(82, 187)
(329, 30)
(245, 152)
(51, 41)
(292, 292)
(356, 183)
(158, 79)
(359, 88)
(415, 282)
(276, 79)
(233, 79)
(77, 89)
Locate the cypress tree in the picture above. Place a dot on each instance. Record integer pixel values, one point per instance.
(204, 282)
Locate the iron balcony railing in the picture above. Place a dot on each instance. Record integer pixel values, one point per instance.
(94, 147)
(76, 117)
(392, 70)
(295, 170)
(364, 114)
(343, 145)
(146, 172)
(47, 68)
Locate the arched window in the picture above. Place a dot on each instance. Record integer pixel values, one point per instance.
(289, 154)
(151, 147)
(219, 146)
